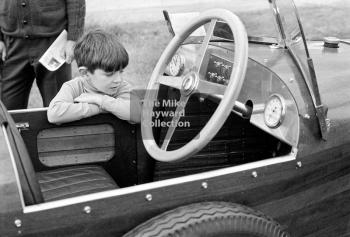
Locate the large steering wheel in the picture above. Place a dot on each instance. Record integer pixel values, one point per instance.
(192, 82)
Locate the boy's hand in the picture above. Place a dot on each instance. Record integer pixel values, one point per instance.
(3, 52)
(90, 98)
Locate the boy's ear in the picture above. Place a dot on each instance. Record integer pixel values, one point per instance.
(83, 70)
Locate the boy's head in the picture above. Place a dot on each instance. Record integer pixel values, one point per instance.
(102, 58)
(98, 49)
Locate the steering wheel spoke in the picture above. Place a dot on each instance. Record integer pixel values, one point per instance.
(171, 81)
(205, 44)
(206, 87)
(173, 124)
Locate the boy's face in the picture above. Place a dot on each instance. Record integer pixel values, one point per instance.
(106, 82)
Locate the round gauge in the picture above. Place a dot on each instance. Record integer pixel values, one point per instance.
(274, 111)
(176, 65)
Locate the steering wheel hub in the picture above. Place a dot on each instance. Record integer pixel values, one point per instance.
(189, 83)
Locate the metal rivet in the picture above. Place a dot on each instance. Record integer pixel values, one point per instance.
(149, 197)
(291, 79)
(87, 209)
(18, 223)
(265, 60)
(205, 185)
(255, 174)
(299, 164)
(306, 116)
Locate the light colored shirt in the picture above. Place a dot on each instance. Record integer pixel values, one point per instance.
(122, 103)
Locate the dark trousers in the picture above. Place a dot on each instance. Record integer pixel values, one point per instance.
(22, 66)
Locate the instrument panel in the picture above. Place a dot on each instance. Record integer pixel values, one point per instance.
(274, 108)
(218, 70)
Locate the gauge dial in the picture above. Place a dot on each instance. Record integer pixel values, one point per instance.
(274, 111)
(176, 65)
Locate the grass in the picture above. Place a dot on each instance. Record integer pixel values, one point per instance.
(145, 41)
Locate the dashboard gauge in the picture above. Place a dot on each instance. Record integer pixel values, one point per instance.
(274, 111)
(176, 65)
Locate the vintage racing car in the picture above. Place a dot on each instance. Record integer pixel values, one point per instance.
(240, 136)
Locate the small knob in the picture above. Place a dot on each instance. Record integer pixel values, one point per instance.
(331, 42)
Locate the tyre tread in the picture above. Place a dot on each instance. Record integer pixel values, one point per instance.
(174, 222)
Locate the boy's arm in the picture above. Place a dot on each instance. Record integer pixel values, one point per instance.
(126, 106)
(62, 108)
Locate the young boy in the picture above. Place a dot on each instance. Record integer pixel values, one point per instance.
(100, 86)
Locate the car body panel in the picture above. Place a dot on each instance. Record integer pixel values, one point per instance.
(332, 74)
(280, 190)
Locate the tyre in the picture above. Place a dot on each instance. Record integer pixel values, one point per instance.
(209, 219)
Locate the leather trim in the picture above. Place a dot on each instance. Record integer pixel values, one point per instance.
(74, 181)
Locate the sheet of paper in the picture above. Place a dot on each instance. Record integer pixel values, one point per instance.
(52, 58)
(179, 20)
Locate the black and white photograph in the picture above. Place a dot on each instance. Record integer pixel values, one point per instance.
(175, 118)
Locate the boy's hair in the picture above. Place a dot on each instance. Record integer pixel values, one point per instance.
(98, 49)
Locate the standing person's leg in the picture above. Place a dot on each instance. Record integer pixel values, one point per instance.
(49, 83)
(17, 75)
